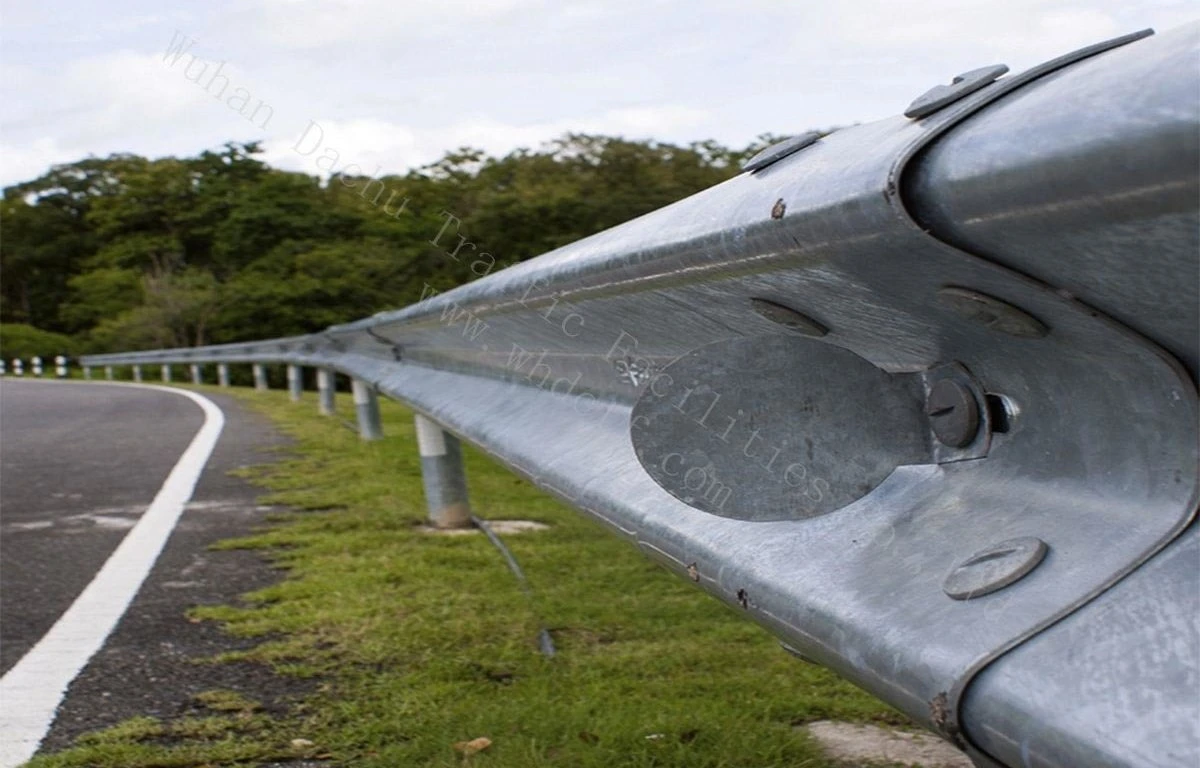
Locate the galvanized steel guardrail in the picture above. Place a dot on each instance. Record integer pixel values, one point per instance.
(918, 396)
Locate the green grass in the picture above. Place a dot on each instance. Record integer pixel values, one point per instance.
(418, 642)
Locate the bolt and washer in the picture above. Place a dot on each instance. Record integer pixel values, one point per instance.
(780, 150)
(992, 312)
(994, 568)
(962, 85)
(953, 413)
(788, 318)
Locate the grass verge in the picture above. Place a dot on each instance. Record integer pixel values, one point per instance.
(422, 643)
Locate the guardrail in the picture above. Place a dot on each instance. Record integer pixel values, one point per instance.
(918, 396)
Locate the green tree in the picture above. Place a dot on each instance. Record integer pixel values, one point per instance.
(129, 252)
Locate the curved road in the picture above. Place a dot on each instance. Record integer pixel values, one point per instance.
(79, 464)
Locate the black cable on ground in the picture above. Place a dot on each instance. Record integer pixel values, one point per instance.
(545, 643)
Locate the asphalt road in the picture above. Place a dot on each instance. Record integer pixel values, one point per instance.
(79, 465)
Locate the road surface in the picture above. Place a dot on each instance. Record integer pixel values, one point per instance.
(80, 464)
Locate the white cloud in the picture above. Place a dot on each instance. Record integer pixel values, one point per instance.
(124, 87)
(330, 146)
(303, 24)
(28, 161)
(90, 107)
(327, 146)
(633, 122)
(400, 83)
(122, 101)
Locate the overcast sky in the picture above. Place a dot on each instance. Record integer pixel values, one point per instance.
(396, 83)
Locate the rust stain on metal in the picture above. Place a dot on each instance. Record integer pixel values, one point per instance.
(939, 710)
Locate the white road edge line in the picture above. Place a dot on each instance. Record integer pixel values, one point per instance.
(32, 690)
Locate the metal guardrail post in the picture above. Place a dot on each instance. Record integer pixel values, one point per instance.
(87, 372)
(325, 390)
(952, 341)
(137, 373)
(197, 376)
(166, 373)
(443, 476)
(295, 380)
(366, 407)
(222, 374)
(108, 372)
(260, 377)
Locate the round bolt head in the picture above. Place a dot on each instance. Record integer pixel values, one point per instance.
(992, 312)
(788, 318)
(780, 150)
(953, 413)
(962, 85)
(994, 568)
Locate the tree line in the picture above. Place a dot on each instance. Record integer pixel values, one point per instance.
(127, 252)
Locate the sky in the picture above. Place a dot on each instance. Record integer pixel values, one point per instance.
(386, 85)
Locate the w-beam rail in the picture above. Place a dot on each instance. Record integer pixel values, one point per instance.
(918, 396)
